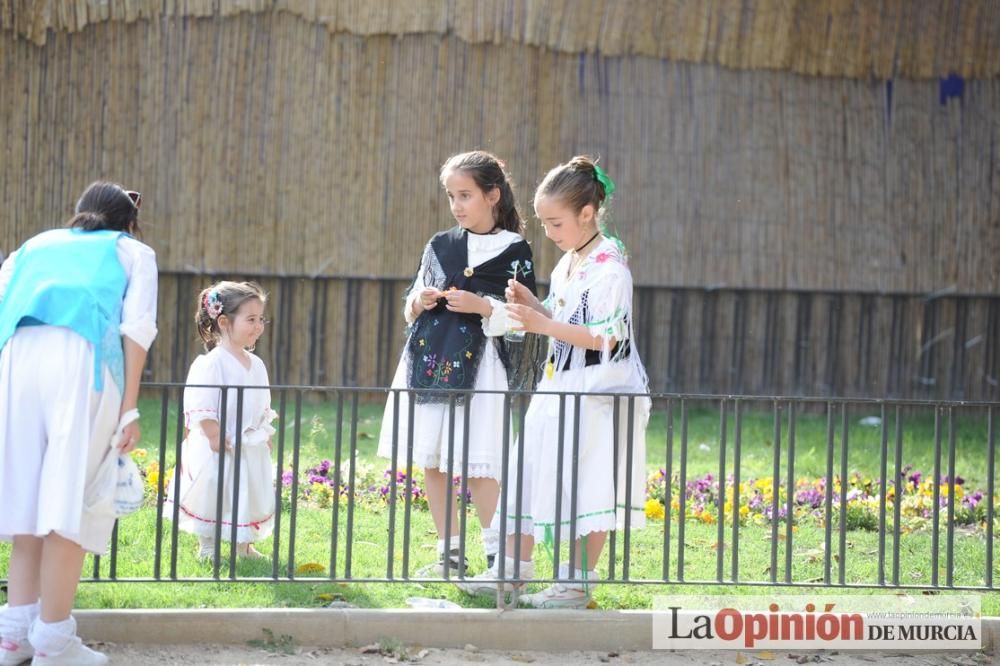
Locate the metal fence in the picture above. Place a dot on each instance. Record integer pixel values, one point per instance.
(939, 433)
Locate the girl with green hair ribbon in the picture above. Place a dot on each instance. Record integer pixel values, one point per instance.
(592, 360)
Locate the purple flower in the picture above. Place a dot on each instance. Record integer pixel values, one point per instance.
(973, 500)
(811, 497)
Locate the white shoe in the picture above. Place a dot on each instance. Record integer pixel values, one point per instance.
(437, 569)
(76, 653)
(558, 596)
(15, 652)
(486, 584)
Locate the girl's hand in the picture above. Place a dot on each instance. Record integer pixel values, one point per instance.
(519, 294)
(516, 293)
(467, 302)
(428, 298)
(213, 442)
(527, 318)
(130, 437)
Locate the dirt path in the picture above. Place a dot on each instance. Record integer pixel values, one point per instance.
(136, 655)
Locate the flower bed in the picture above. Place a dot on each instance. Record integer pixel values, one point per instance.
(756, 499)
(318, 487)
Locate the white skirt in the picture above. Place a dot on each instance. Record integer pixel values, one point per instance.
(601, 499)
(433, 424)
(198, 476)
(54, 432)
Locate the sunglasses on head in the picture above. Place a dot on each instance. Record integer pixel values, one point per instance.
(136, 198)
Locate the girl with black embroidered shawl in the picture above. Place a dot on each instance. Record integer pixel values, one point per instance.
(457, 319)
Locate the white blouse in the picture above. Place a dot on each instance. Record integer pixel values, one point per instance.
(219, 367)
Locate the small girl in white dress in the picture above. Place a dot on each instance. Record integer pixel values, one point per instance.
(230, 319)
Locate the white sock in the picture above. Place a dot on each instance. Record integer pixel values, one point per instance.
(579, 575)
(51, 638)
(16, 620)
(454, 543)
(491, 540)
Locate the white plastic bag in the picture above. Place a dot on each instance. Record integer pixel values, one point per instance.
(117, 488)
(129, 487)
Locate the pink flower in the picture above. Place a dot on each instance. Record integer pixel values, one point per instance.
(602, 257)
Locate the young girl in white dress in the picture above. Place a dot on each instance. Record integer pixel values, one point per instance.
(457, 320)
(588, 319)
(77, 314)
(230, 319)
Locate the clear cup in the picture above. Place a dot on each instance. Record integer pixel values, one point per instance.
(512, 335)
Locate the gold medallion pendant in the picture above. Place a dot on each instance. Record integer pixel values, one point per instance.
(468, 272)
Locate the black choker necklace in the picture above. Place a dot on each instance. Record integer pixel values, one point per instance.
(577, 250)
(492, 231)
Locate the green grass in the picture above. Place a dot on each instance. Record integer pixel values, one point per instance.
(369, 554)
(319, 424)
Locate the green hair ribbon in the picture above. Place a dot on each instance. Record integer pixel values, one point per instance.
(605, 180)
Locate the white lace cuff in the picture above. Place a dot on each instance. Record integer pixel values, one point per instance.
(496, 323)
(408, 306)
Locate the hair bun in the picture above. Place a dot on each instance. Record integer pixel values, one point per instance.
(583, 163)
(88, 219)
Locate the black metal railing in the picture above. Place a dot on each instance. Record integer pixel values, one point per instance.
(740, 437)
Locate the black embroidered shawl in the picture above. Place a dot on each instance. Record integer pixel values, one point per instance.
(445, 347)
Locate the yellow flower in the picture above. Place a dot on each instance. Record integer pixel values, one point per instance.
(139, 454)
(310, 568)
(654, 510)
(468, 354)
(744, 510)
(706, 517)
(153, 474)
(945, 489)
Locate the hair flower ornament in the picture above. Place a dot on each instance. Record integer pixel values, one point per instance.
(213, 304)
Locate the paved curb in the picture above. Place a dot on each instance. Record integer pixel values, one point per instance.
(546, 630)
